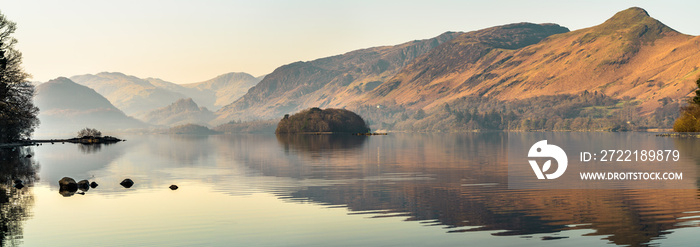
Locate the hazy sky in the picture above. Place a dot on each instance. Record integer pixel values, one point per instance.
(191, 41)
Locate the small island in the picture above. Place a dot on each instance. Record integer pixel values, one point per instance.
(318, 121)
(192, 129)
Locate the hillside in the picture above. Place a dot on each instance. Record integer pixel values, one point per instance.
(182, 111)
(630, 55)
(137, 96)
(129, 93)
(326, 82)
(629, 72)
(224, 89)
(66, 107)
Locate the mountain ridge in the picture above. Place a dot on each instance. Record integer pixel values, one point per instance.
(61, 111)
(611, 58)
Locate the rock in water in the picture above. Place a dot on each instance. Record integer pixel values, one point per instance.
(68, 184)
(84, 185)
(127, 183)
(173, 187)
(93, 184)
(19, 186)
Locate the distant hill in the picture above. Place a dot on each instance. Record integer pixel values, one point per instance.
(129, 93)
(192, 129)
(66, 107)
(322, 120)
(136, 95)
(327, 82)
(182, 111)
(224, 89)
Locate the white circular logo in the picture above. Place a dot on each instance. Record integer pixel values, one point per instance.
(542, 150)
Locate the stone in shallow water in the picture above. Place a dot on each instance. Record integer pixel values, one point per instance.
(93, 184)
(68, 184)
(84, 185)
(173, 187)
(127, 183)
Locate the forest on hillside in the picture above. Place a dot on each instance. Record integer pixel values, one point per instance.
(584, 112)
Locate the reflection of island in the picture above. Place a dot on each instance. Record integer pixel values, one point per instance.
(15, 203)
(320, 143)
(460, 181)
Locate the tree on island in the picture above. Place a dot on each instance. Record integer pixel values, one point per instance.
(17, 111)
(88, 132)
(689, 121)
(317, 120)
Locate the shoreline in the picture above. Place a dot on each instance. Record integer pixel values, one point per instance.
(82, 140)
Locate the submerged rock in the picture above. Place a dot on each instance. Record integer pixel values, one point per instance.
(173, 187)
(84, 185)
(127, 183)
(93, 184)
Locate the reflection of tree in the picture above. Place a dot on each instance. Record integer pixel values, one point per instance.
(90, 148)
(15, 203)
(319, 143)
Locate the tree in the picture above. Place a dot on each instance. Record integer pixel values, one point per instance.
(689, 120)
(17, 111)
(88, 132)
(696, 98)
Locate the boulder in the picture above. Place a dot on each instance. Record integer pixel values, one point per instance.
(68, 184)
(127, 183)
(93, 184)
(173, 187)
(84, 185)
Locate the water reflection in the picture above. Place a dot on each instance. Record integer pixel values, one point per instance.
(15, 204)
(454, 181)
(314, 144)
(89, 148)
(459, 181)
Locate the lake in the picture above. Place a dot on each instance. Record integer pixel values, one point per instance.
(309, 190)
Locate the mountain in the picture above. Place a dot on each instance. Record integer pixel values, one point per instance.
(66, 107)
(326, 82)
(630, 56)
(630, 72)
(224, 89)
(182, 111)
(129, 93)
(136, 96)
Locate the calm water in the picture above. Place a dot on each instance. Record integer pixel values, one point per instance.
(264, 190)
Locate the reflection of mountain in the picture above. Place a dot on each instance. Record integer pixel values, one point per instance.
(77, 160)
(460, 181)
(15, 204)
(66, 107)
